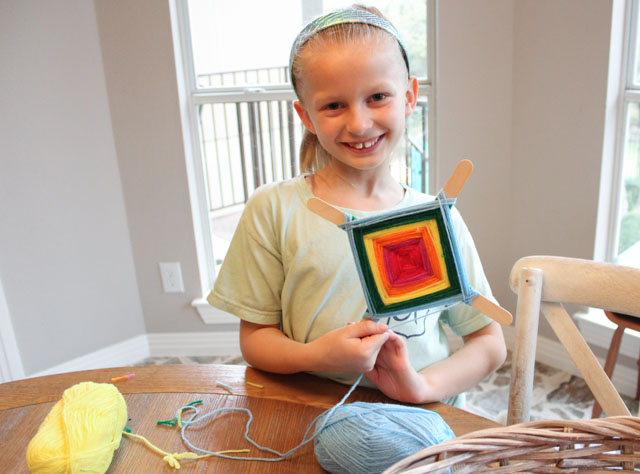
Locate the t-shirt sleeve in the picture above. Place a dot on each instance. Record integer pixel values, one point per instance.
(462, 318)
(250, 281)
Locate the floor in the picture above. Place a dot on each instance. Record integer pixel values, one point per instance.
(556, 394)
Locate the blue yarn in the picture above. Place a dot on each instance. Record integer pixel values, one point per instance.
(356, 438)
(315, 424)
(370, 437)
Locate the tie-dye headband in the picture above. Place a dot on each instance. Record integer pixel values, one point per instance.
(339, 17)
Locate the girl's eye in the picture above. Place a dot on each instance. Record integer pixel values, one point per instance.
(332, 106)
(378, 97)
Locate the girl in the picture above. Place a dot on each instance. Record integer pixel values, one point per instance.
(289, 275)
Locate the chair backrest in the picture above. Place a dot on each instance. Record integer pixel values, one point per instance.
(543, 284)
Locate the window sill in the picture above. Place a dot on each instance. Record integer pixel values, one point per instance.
(211, 315)
(598, 330)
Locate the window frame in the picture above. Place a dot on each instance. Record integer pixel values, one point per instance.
(593, 324)
(629, 94)
(191, 97)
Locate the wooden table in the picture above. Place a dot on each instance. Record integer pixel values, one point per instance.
(282, 410)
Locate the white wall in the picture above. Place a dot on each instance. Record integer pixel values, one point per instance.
(65, 254)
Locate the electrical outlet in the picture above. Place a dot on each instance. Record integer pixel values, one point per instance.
(171, 275)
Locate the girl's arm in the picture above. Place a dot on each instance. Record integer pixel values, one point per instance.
(483, 351)
(353, 348)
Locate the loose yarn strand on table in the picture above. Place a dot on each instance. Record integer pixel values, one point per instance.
(357, 438)
(281, 456)
(173, 459)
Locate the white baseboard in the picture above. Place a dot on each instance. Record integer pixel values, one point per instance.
(10, 362)
(194, 344)
(140, 347)
(553, 353)
(117, 355)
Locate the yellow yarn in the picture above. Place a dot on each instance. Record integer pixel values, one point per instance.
(81, 431)
(173, 459)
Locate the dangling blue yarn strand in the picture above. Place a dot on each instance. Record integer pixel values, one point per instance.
(281, 456)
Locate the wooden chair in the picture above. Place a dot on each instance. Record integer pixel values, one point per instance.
(543, 284)
(622, 322)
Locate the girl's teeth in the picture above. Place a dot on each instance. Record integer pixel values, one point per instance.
(369, 144)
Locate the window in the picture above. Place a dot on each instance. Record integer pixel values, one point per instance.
(625, 238)
(238, 103)
(618, 238)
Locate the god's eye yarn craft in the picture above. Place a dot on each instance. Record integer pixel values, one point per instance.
(409, 259)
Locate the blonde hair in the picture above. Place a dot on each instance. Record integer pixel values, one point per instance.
(313, 157)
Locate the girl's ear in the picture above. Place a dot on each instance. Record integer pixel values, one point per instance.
(304, 116)
(411, 96)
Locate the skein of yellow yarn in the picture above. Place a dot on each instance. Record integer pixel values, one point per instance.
(81, 431)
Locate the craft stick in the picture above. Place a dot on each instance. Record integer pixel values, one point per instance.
(326, 210)
(456, 181)
(495, 312)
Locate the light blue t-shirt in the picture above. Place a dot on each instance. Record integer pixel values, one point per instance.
(288, 266)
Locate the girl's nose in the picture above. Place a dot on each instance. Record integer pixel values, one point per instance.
(359, 121)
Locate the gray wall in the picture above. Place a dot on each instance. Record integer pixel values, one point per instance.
(66, 261)
(139, 65)
(560, 81)
(93, 185)
(521, 92)
(474, 120)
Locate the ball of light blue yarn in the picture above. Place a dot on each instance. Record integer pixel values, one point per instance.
(370, 437)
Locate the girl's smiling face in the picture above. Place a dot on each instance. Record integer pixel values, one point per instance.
(355, 97)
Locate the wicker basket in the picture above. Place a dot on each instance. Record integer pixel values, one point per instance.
(598, 445)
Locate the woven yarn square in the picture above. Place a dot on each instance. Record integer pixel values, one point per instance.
(409, 259)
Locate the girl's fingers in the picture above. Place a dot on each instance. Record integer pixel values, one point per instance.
(376, 340)
(366, 327)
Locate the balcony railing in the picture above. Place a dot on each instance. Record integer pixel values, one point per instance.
(250, 143)
(267, 75)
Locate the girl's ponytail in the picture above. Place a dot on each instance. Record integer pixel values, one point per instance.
(313, 157)
(308, 151)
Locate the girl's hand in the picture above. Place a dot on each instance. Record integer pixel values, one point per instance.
(483, 352)
(394, 375)
(353, 348)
